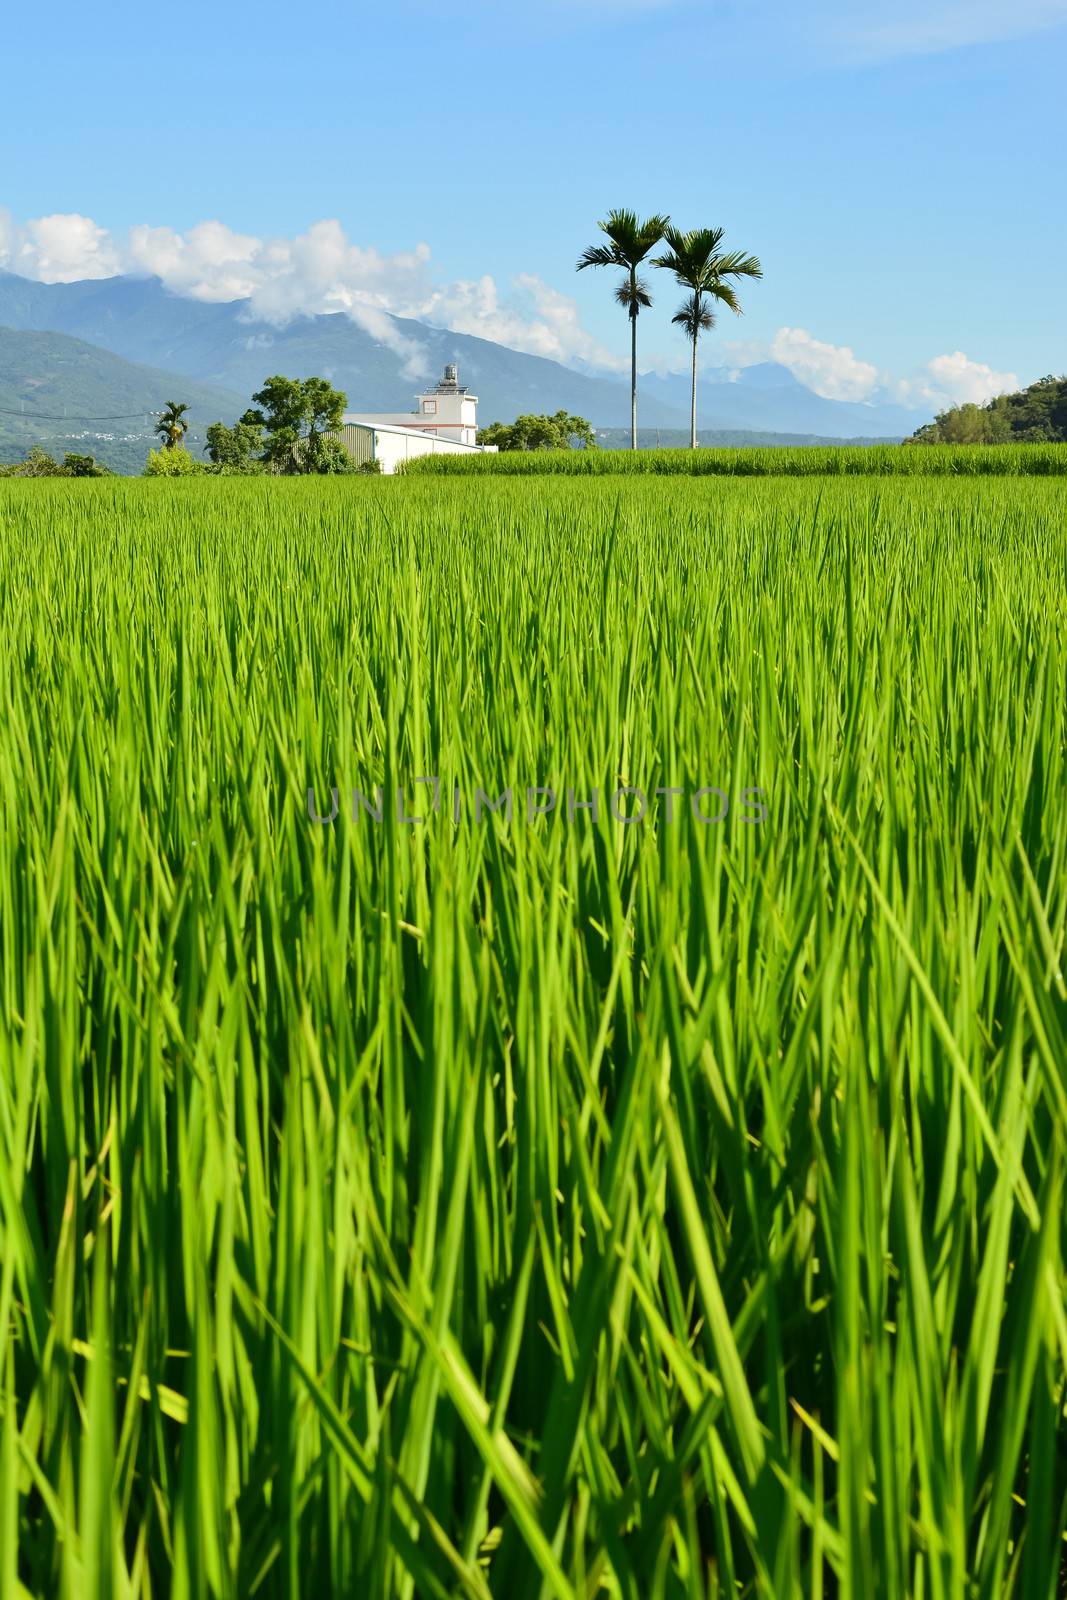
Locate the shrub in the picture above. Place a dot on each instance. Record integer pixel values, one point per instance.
(84, 467)
(176, 463)
(38, 464)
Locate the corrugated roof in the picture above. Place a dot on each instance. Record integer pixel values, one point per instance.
(407, 433)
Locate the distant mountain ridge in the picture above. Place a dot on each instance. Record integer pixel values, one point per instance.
(222, 345)
(68, 395)
(726, 439)
(768, 396)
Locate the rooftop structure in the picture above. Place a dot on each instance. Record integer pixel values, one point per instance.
(445, 419)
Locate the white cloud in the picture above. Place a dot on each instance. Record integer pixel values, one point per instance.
(534, 318)
(837, 373)
(210, 262)
(317, 271)
(831, 370)
(323, 271)
(58, 249)
(954, 380)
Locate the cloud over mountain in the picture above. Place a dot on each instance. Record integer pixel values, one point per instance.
(316, 272)
(322, 271)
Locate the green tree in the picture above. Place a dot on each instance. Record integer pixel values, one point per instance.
(172, 463)
(84, 466)
(629, 243)
(172, 425)
(39, 464)
(557, 432)
(700, 265)
(236, 449)
(1035, 415)
(298, 417)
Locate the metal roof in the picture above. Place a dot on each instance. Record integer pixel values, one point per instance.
(407, 433)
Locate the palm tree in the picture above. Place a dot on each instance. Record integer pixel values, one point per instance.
(701, 267)
(172, 426)
(696, 317)
(629, 244)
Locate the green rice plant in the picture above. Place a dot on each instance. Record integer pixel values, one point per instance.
(888, 460)
(548, 1205)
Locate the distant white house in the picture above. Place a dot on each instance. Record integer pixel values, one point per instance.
(445, 421)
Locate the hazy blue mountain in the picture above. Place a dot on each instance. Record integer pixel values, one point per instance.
(140, 320)
(764, 375)
(220, 344)
(727, 438)
(768, 396)
(65, 394)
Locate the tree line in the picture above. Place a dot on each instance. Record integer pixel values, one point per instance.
(37, 463)
(290, 429)
(1036, 415)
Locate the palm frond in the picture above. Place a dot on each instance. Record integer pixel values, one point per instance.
(631, 240)
(698, 263)
(736, 264)
(688, 250)
(724, 293)
(634, 295)
(694, 316)
(599, 255)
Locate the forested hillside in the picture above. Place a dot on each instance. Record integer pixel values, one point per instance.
(1037, 415)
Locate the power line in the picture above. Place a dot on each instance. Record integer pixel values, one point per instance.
(73, 416)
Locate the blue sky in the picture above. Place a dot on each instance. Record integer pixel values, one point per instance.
(894, 167)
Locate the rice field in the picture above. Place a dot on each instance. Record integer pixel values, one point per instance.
(540, 1204)
(818, 461)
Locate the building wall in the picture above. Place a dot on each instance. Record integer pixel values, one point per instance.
(449, 426)
(394, 419)
(364, 442)
(393, 448)
(359, 442)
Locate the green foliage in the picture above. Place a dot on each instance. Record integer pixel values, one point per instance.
(328, 456)
(1036, 415)
(702, 267)
(94, 403)
(879, 460)
(84, 466)
(236, 449)
(630, 242)
(173, 462)
(173, 424)
(370, 469)
(558, 432)
(297, 415)
(534, 1208)
(37, 463)
(694, 316)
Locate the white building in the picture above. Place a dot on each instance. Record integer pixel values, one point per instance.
(445, 421)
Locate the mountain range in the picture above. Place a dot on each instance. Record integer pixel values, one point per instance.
(68, 395)
(221, 353)
(766, 396)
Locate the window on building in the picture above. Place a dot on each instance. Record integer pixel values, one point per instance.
(429, 407)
